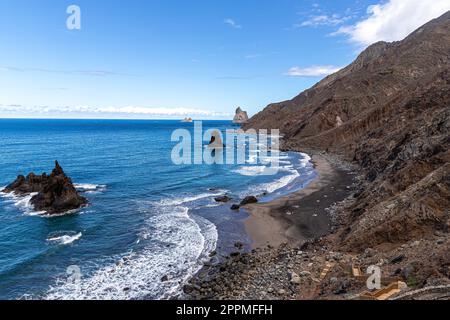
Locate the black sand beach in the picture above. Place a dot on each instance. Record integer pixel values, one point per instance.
(278, 230)
(302, 215)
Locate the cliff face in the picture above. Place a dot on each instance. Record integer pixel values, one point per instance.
(389, 111)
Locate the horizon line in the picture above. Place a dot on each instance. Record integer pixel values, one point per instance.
(110, 119)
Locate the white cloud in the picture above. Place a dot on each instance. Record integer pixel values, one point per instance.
(324, 20)
(92, 73)
(313, 71)
(393, 20)
(126, 112)
(233, 24)
(253, 56)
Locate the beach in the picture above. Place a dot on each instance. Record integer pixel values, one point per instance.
(302, 215)
(280, 231)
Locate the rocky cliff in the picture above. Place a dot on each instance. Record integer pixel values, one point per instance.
(388, 112)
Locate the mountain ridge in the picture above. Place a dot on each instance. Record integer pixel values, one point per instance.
(389, 113)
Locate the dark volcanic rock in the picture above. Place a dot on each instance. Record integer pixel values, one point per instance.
(235, 207)
(398, 259)
(223, 199)
(55, 192)
(249, 200)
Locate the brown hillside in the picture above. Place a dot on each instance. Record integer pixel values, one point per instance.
(389, 112)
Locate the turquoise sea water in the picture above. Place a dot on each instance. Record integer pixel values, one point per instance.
(147, 217)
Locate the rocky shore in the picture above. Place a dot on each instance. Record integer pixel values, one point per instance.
(311, 265)
(315, 271)
(302, 215)
(281, 231)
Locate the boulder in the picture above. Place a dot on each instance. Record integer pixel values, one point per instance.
(55, 192)
(249, 200)
(223, 199)
(295, 278)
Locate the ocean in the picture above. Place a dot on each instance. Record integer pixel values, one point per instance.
(147, 218)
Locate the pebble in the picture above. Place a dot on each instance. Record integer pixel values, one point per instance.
(239, 245)
(295, 278)
(415, 243)
(334, 280)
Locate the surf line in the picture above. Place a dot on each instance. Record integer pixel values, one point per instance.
(260, 144)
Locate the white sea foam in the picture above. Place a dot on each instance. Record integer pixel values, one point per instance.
(212, 205)
(280, 183)
(179, 244)
(23, 203)
(65, 239)
(305, 160)
(270, 187)
(251, 171)
(191, 198)
(90, 188)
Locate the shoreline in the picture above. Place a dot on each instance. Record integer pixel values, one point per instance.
(302, 215)
(275, 235)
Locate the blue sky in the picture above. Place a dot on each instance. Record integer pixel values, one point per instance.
(170, 58)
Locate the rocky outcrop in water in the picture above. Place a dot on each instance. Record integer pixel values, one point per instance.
(56, 193)
(241, 116)
(248, 200)
(223, 199)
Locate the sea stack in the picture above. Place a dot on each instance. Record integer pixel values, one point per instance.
(241, 116)
(55, 193)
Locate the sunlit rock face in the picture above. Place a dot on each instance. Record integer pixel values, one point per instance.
(240, 117)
